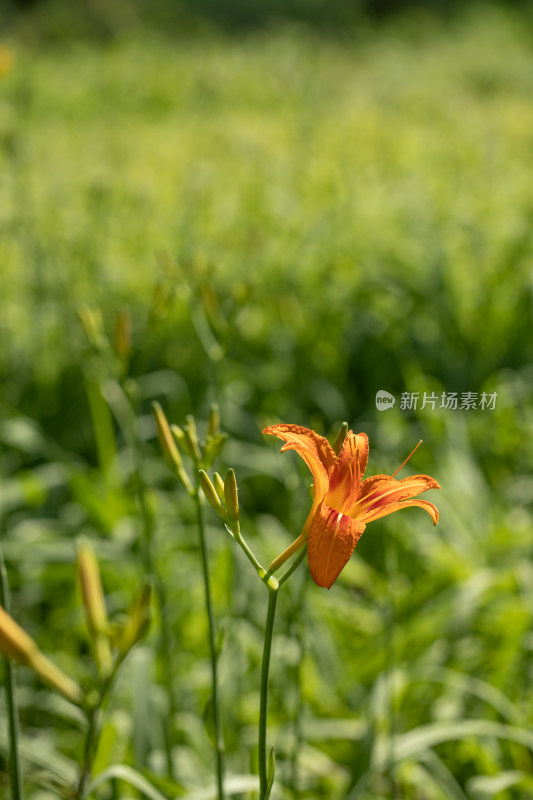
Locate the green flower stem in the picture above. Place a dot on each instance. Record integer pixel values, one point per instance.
(88, 753)
(17, 790)
(239, 538)
(263, 708)
(122, 407)
(94, 711)
(150, 569)
(296, 563)
(219, 739)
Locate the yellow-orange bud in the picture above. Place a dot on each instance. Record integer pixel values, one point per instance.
(92, 324)
(169, 447)
(94, 604)
(17, 644)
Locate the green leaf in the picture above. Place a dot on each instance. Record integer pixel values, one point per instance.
(271, 771)
(421, 739)
(130, 776)
(483, 787)
(234, 784)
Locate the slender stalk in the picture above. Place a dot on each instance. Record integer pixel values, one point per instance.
(219, 739)
(125, 414)
(236, 529)
(17, 790)
(88, 754)
(91, 741)
(263, 708)
(296, 563)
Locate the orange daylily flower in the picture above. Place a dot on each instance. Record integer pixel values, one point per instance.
(343, 503)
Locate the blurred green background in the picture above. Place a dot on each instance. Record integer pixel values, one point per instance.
(301, 204)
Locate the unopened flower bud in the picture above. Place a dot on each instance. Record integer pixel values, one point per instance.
(169, 447)
(213, 425)
(56, 678)
(91, 322)
(192, 438)
(210, 493)
(230, 493)
(219, 487)
(212, 448)
(94, 604)
(180, 437)
(17, 644)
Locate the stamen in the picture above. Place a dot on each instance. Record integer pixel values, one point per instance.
(407, 459)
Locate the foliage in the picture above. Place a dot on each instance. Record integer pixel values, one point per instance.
(295, 223)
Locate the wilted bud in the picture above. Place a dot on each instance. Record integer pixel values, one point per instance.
(230, 494)
(168, 445)
(123, 334)
(341, 436)
(15, 643)
(192, 438)
(210, 493)
(94, 604)
(138, 620)
(213, 425)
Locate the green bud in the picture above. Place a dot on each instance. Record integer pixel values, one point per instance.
(212, 448)
(192, 438)
(213, 426)
(180, 438)
(219, 487)
(94, 604)
(230, 493)
(169, 447)
(210, 493)
(91, 322)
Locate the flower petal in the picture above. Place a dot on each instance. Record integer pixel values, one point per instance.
(332, 540)
(382, 495)
(345, 479)
(315, 450)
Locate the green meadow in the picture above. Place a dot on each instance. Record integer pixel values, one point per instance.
(293, 221)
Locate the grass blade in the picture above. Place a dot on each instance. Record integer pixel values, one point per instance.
(15, 769)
